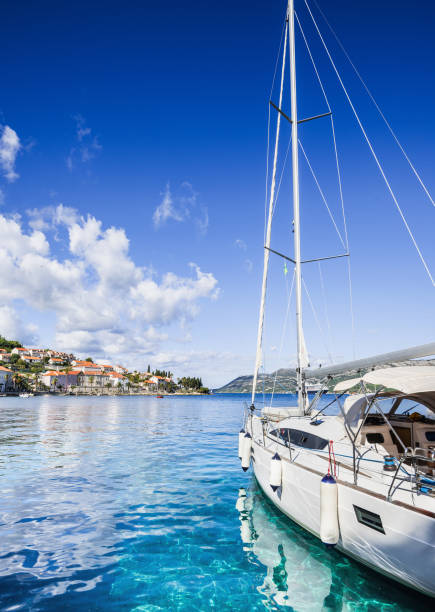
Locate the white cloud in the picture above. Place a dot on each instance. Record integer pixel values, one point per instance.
(12, 327)
(165, 210)
(241, 244)
(215, 367)
(9, 148)
(87, 146)
(51, 216)
(248, 265)
(181, 207)
(104, 304)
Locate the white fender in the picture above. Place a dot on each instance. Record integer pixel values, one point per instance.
(329, 527)
(241, 436)
(275, 477)
(246, 451)
(241, 500)
(246, 531)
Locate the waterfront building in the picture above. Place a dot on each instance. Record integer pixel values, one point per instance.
(5, 378)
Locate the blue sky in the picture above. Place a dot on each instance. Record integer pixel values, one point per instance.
(132, 173)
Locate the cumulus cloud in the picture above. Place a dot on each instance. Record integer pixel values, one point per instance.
(180, 207)
(103, 302)
(11, 326)
(49, 217)
(9, 148)
(86, 146)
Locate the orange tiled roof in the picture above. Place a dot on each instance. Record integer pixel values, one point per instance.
(87, 363)
(3, 369)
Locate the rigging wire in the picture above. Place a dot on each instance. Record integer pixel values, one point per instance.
(281, 177)
(322, 195)
(266, 197)
(283, 332)
(375, 157)
(340, 188)
(316, 318)
(325, 307)
(369, 93)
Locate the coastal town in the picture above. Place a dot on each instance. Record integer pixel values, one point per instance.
(36, 370)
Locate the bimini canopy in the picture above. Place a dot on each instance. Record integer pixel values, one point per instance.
(406, 379)
(415, 382)
(345, 385)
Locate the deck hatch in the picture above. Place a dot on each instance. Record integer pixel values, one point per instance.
(368, 518)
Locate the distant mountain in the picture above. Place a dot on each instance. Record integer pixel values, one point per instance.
(284, 380)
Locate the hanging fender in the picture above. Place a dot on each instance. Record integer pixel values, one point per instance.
(246, 451)
(241, 437)
(275, 478)
(329, 527)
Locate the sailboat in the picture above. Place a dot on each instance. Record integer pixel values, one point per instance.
(363, 479)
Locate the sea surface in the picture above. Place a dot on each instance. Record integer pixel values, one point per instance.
(139, 503)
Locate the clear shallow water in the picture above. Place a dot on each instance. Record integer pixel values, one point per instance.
(130, 504)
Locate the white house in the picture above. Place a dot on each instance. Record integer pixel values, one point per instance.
(20, 351)
(115, 378)
(56, 361)
(87, 366)
(5, 378)
(31, 359)
(120, 369)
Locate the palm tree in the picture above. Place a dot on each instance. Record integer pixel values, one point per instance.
(67, 370)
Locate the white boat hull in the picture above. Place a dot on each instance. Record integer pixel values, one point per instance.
(404, 552)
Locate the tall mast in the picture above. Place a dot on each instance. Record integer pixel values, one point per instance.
(296, 221)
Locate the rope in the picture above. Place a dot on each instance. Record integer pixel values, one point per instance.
(381, 170)
(332, 461)
(420, 180)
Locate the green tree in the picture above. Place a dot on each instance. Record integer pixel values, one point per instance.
(9, 344)
(89, 359)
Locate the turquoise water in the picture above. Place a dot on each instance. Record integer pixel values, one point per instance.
(130, 504)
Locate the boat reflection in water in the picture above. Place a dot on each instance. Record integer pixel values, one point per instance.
(302, 574)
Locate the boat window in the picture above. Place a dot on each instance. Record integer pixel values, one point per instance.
(300, 438)
(375, 438)
(430, 436)
(370, 519)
